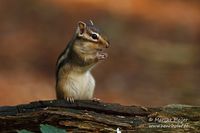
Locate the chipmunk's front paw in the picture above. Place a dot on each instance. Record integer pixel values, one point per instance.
(102, 56)
(70, 99)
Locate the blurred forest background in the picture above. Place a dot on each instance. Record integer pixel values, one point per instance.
(154, 58)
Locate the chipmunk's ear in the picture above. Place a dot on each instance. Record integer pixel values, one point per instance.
(81, 27)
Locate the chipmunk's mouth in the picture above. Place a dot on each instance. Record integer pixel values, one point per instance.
(99, 49)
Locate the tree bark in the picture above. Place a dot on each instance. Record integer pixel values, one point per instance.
(93, 116)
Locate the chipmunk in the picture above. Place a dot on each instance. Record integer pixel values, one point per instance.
(83, 52)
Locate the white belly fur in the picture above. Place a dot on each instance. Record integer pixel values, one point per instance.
(80, 86)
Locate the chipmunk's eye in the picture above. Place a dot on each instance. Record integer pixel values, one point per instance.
(95, 36)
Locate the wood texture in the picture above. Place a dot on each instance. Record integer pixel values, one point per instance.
(92, 116)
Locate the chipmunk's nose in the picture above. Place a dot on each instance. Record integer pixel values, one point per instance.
(107, 44)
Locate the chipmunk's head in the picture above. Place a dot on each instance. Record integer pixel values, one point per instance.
(91, 37)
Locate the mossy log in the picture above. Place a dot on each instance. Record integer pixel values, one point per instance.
(93, 116)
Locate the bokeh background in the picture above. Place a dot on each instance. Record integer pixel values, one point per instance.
(153, 59)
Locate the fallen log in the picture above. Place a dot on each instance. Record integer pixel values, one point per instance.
(94, 116)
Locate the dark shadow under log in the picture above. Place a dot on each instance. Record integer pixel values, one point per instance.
(92, 116)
